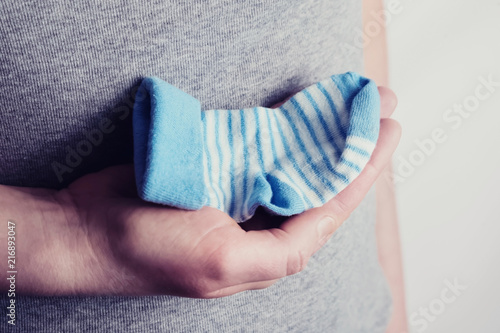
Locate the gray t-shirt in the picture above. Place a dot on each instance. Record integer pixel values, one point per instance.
(68, 74)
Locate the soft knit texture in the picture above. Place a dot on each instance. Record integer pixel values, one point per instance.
(288, 159)
(70, 69)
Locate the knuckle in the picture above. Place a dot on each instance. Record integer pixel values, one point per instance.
(200, 289)
(297, 261)
(213, 275)
(198, 286)
(219, 264)
(343, 208)
(343, 212)
(371, 170)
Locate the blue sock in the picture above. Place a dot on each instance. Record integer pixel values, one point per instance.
(288, 159)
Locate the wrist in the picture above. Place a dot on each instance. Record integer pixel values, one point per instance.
(52, 252)
(27, 209)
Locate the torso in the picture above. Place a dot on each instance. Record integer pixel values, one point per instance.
(66, 66)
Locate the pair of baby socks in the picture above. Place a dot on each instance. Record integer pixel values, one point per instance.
(289, 159)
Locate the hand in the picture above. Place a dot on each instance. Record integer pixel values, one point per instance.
(102, 239)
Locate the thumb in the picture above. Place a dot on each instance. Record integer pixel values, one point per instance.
(331, 215)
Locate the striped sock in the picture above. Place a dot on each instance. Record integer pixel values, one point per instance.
(287, 160)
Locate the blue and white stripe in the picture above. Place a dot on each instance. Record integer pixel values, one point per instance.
(310, 144)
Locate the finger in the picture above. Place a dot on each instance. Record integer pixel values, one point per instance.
(388, 102)
(274, 253)
(269, 254)
(347, 200)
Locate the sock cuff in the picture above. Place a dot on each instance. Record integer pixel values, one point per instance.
(168, 147)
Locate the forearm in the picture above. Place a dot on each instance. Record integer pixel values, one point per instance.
(387, 230)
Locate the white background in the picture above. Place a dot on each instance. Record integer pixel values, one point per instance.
(449, 205)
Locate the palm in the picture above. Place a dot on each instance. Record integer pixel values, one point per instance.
(154, 241)
(118, 181)
(155, 249)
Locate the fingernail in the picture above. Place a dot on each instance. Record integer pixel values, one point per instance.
(326, 227)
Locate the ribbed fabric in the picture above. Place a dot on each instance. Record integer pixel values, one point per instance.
(288, 160)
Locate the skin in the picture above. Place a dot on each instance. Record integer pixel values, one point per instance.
(96, 237)
(387, 229)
